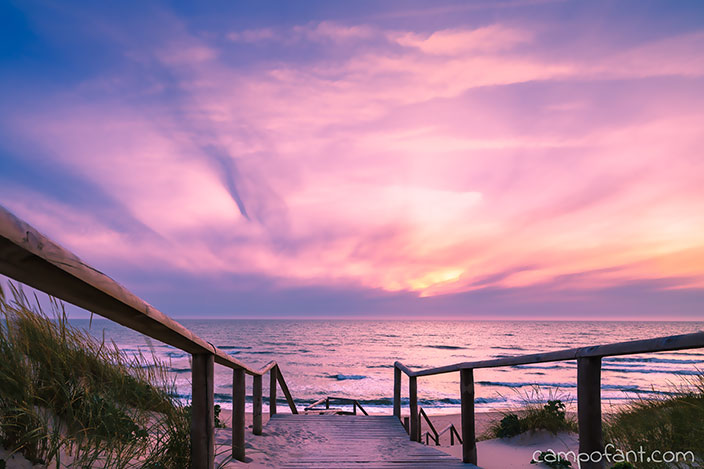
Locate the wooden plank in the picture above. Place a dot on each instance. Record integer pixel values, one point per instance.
(202, 412)
(469, 445)
(238, 414)
(257, 405)
(589, 408)
(325, 400)
(335, 442)
(323, 411)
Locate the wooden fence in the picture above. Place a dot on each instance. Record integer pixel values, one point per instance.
(588, 386)
(33, 259)
(313, 408)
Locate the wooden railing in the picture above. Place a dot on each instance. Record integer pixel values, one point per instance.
(326, 400)
(454, 434)
(588, 386)
(33, 259)
(435, 435)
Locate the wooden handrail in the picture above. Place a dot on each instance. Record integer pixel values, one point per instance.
(29, 257)
(436, 436)
(659, 344)
(453, 433)
(588, 387)
(322, 400)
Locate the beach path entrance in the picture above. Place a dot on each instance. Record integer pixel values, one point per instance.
(350, 441)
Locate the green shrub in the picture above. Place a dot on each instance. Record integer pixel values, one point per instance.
(509, 426)
(551, 417)
(216, 412)
(218, 423)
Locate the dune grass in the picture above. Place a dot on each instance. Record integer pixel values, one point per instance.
(669, 423)
(66, 396)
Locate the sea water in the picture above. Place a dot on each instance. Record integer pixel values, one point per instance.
(354, 358)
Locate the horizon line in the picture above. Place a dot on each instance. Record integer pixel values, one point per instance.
(422, 318)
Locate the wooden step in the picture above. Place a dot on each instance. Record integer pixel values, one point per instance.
(351, 441)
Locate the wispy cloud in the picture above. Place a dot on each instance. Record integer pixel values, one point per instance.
(423, 162)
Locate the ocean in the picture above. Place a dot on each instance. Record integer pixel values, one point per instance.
(354, 358)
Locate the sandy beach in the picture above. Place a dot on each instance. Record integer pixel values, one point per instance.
(515, 452)
(492, 453)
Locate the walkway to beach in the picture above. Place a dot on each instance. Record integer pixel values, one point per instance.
(350, 441)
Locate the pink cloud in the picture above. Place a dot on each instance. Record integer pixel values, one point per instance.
(368, 169)
(486, 39)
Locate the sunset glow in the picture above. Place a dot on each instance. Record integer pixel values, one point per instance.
(516, 159)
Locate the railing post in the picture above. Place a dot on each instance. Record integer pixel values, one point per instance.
(469, 445)
(272, 390)
(589, 410)
(413, 404)
(257, 404)
(238, 398)
(202, 412)
(327, 402)
(397, 392)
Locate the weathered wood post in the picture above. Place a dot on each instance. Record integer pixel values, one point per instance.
(397, 392)
(469, 444)
(589, 410)
(238, 398)
(272, 390)
(257, 404)
(202, 412)
(413, 404)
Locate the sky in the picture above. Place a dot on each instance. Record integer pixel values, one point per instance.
(399, 159)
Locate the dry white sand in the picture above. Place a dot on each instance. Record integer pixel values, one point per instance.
(17, 461)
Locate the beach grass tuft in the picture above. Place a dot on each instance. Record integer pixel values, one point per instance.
(66, 396)
(669, 423)
(537, 412)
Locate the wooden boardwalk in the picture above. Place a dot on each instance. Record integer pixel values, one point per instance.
(351, 441)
